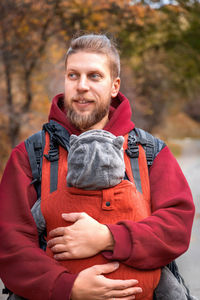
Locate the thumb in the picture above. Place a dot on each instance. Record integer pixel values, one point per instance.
(72, 217)
(106, 268)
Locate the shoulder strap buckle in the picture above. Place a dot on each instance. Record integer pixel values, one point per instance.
(133, 151)
(133, 148)
(53, 155)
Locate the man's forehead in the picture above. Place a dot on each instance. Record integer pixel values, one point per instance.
(89, 59)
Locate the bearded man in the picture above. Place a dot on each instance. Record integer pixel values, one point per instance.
(91, 100)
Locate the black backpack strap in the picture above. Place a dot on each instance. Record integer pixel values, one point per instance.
(133, 153)
(53, 158)
(152, 147)
(151, 144)
(35, 147)
(58, 136)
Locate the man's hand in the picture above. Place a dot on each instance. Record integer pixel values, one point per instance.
(85, 238)
(92, 285)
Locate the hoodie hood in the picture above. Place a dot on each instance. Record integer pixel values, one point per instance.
(119, 116)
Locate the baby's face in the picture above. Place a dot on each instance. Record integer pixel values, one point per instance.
(95, 161)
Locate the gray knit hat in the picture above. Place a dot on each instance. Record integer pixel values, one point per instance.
(95, 160)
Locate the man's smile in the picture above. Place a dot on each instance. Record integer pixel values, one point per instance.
(82, 103)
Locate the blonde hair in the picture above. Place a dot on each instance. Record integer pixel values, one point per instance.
(97, 43)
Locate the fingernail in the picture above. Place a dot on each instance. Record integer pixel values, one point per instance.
(116, 265)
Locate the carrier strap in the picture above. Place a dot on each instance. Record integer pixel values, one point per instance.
(152, 147)
(53, 176)
(133, 152)
(58, 136)
(35, 147)
(151, 144)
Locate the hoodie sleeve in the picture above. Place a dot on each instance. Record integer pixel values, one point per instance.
(24, 268)
(165, 235)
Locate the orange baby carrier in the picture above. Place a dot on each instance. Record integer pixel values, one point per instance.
(125, 201)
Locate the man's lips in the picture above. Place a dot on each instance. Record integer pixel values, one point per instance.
(82, 103)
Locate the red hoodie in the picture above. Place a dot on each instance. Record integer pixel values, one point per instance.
(151, 243)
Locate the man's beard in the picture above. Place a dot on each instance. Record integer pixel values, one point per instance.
(84, 122)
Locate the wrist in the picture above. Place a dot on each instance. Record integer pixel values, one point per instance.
(108, 239)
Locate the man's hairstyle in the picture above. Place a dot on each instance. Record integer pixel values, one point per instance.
(97, 43)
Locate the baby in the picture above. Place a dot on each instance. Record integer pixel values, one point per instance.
(95, 162)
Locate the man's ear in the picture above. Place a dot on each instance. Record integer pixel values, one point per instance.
(115, 87)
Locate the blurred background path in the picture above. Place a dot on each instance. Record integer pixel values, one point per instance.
(189, 263)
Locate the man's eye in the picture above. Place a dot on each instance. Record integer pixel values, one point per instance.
(95, 76)
(72, 75)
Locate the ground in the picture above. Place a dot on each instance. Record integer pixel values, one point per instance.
(189, 263)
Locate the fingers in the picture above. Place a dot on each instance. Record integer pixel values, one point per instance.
(118, 284)
(59, 248)
(55, 241)
(105, 268)
(60, 231)
(124, 298)
(126, 293)
(125, 289)
(113, 283)
(63, 256)
(122, 289)
(73, 217)
(91, 284)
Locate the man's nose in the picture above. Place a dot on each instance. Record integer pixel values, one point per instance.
(83, 84)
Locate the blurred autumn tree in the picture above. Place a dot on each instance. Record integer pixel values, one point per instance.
(159, 48)
(25, 29)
